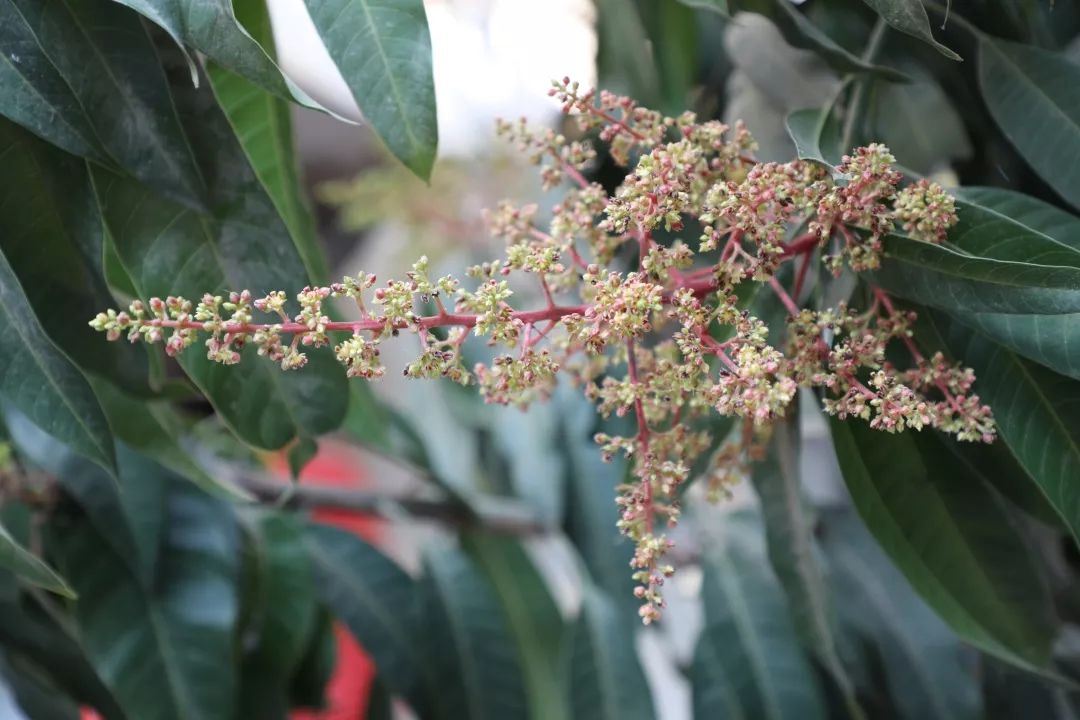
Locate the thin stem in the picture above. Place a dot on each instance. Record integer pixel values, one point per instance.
(642, 432)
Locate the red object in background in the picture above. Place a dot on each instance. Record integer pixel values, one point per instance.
(335, 465)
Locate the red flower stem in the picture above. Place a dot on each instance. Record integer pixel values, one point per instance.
(802, 244)
(781, 293)
(642, 433)
(800, 278)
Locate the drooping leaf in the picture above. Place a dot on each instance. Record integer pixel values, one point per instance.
(793, 554)
(29, 567)
(909, 16)
(263, 125)
(42, 383)
(242, 243)
(950, 537)
(383, 50)
(1037, 414)
(748, 662)
(50, 233)
(531, 613)
(604, 676)
(929, 673)
(377, 601)
(165, 648)
(468, 643)
(1030, 94)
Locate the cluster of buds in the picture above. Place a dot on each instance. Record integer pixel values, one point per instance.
(651, 330)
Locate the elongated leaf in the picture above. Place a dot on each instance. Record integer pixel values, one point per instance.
(90, 65)
(794, 556)
(468, 643)
(243, 243)
(1030, 92)
(909, 16)
(211, 27)
(42, 383)
(604, 676)
(950, 537)
(1030, 212)
(165, 649)
(378, 603)
(748, 662)
(531, 613)
(941, 277)
(29, 567)
(383, 50)
(263, 125)
(50, 232)
(1036, 412)
(929, 673)
(987, 229)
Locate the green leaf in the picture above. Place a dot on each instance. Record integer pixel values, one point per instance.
(620, 31)
(1036, 412)
(42, 383)
(816, 134)
(377, 601)
(468, 643)
(604, 676)
(789, 534)
(212, 28)
(170, 250)
(51, 234)
(929, 673)
(164, 648)
(748, 662)
(263, 125)
(383, 50)
(1031, 95)
(531, 613)
(909, 16)
(29, 567)
(307, 685)
(950, 537)
(717, 6)
(948, 279)
(801, 32)
(84, 75)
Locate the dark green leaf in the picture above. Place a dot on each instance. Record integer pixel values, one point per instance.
(605, 679)
(383, 50)
(816, 135)
(950, 537)
(929, 673)
(942, 277)
(793, 554)
(1031, 95)
(27, 694)
(909, 16)
(263, 125)
(620, 30)
(317, 666)
(165, 649)
(29, 567)
(748, 662)
(1037, 414)
(42, 383)
(171, 250)
(531, 613)
(84, 74)
(377, 601)
(468, 643)
(51, 235)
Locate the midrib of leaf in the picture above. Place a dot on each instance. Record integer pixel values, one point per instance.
(1018, 224)
(466, 659)
(32, 348)
(406, 124)
(745, 628)
(888, 620)
(962, 272)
